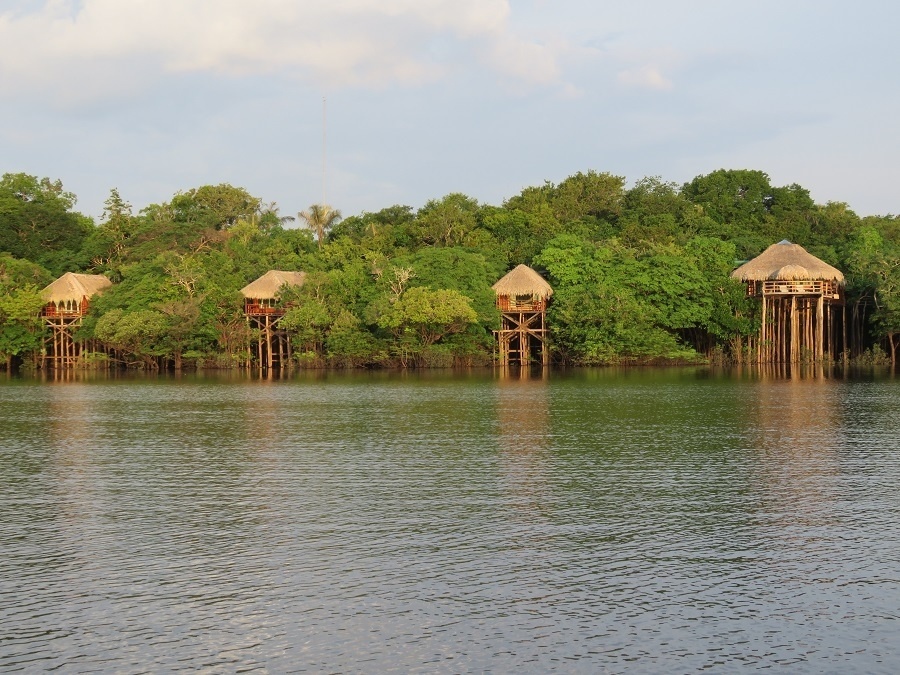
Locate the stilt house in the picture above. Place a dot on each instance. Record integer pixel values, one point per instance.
(522, 297)
(263, 309)
(802, 304)
(68, 300)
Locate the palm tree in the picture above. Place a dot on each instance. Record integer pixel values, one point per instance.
(267, 216)
(319, 218)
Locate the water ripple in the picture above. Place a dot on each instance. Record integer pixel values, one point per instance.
(628, 523)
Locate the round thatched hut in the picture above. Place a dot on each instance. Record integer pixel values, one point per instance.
(802, 304)
(71, 293)
(68, 300)
(263, 295)
(522, 297)
(263, 309)
(522, 289)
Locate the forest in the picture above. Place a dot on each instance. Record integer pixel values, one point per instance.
(640, 274)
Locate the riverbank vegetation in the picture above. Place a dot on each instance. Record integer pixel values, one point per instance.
(640, 272)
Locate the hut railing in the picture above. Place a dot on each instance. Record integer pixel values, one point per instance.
(829, 289)
(261, 309)
(53, 310)
(510, 304)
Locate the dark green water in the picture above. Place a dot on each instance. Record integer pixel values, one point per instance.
(595, 521)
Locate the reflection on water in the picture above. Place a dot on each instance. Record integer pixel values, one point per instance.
(800, 424)
(523, 417)
(590, 521)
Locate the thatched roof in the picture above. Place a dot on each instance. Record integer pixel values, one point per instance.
(75, 287)
(523, 281)
(785, 261)
(267, 287)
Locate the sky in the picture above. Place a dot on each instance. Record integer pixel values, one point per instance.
(363, 104)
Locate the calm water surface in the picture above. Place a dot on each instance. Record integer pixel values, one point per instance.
(596, 521)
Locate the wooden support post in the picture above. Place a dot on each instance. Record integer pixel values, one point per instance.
(545, 353)
(259, 346)
(761, 355)
(268, 342)
(290, 355)
(820, 328)
(844, 345)
(522, 332)
(795, 332)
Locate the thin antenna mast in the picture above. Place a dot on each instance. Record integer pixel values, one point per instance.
(324, 147)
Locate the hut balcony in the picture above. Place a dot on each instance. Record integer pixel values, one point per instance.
(519, 303)
(265, 308)
(65, 310)
(798, 287)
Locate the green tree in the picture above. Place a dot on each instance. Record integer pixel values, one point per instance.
(349, 344)
(874, 268)
(601, 312)
(427, 314)
(656, 211)
(21, 329)
(738, 197)
(320, 218)
(107, 245)
(180, 327)
(387, 230)
(137, 334)
(744, 207)
(586, 205)
(37, 223)
(458, 269)
(308, 322)
(192, 221)
(588, 195)
(448, 221)
(214, 206)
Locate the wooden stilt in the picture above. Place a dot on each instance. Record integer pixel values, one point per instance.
(820, 328)
(522, 338)
(799, 322)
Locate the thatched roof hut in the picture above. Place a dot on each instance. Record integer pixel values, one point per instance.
(785, 261)
(72, 287)
(523, 281)
(800, 304)
(268, 286)
(522, 300)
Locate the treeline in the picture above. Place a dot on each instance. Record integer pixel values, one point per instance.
(640, 273)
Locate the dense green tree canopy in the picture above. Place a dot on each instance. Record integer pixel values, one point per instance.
(20, 303)
(640, 273)
(37, 222)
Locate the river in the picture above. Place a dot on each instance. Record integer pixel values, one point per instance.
(644, 520)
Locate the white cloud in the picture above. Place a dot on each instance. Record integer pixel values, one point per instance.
(526, 61)
(648, 77)
(102, 46)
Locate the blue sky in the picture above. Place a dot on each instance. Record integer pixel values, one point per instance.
(428, 97)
